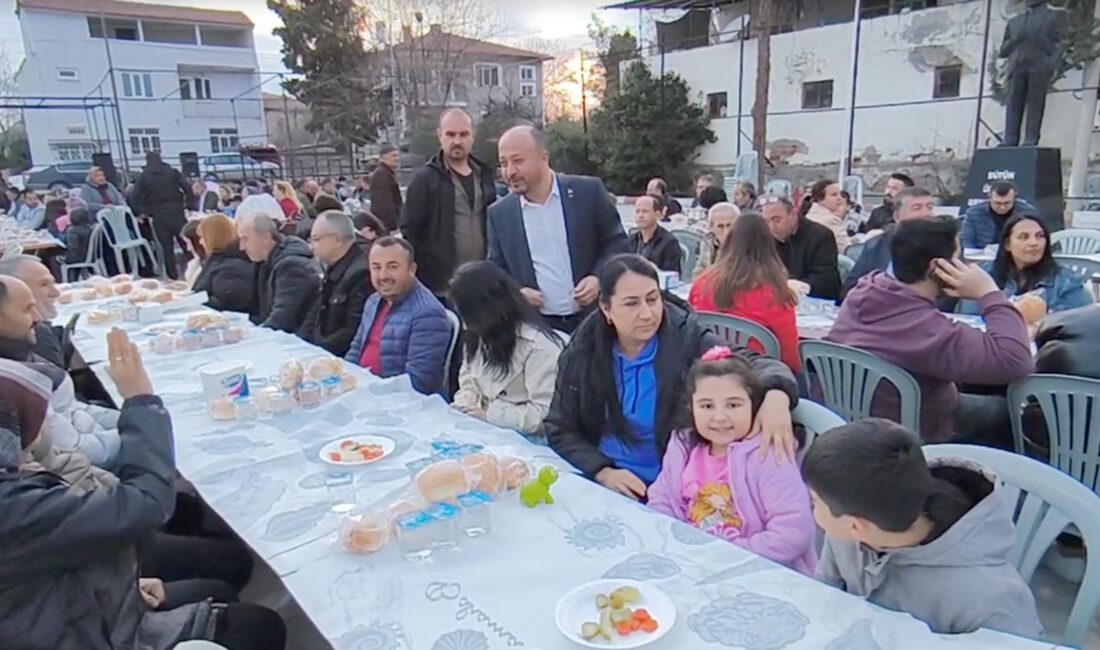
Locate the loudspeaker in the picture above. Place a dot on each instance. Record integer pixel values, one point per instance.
(107, 164)
(1037, 173)
(189, 163)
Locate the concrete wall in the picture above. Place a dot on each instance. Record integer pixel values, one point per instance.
(183, 125)
(897, 122)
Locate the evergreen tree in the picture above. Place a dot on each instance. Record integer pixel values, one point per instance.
(649, 128)
(334, 74)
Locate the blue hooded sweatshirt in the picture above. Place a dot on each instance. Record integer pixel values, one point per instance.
(637, 384)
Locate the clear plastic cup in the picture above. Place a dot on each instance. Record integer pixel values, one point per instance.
(474, 519)
(310, 394)
(211, 338)
(190, 340)
(414, 535)
(483, 472)
(331, 388)
(164, 344)
(365, 532)
(445, 534)
(246, 408)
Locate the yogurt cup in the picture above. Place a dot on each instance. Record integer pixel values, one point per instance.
(225, 379)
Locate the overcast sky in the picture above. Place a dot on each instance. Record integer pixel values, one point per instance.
(555, 19)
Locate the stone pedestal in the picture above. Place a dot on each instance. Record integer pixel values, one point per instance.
(1036, 171)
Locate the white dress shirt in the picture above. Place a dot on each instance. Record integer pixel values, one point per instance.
(549, 243)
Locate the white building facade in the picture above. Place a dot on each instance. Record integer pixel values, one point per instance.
(187, 80)
(916, 99)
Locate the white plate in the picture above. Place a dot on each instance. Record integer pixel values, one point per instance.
(387, 445)
(579, 606)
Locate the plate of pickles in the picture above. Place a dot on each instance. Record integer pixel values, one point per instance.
(615, 614)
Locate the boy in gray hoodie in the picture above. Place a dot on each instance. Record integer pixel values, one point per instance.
(930, 540)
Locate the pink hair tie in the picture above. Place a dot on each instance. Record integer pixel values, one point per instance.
(717, 353)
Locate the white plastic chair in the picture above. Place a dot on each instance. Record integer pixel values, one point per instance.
(123, 236)
(815, 420)
(844, 265)
(1076, 241)
(198, 645)
(456, 330)
(93, 261)
(1049, 501)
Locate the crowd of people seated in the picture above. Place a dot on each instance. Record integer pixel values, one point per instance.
(555, 322)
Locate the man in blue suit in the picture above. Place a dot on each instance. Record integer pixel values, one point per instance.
(553, 232)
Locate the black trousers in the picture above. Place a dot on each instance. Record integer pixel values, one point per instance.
(567, 324)
(1026, 89)
(167, 234)
(177, 557)
(185, 592)
(244, 626)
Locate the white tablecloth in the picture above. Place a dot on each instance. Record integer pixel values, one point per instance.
(266, 480)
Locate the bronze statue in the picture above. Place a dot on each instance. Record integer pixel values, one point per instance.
(1035, 45)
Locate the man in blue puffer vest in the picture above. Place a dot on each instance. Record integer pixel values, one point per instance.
(404, 328)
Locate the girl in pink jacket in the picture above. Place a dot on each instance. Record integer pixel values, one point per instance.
(715, 476)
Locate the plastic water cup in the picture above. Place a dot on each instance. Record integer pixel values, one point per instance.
(414, 535)
(475, 519)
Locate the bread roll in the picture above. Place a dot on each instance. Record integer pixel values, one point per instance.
(104, 290)
(88, 294)
(163, 297)
(149, 285)
(515, 471)
(121, 277)
(442, 481)
(1032, 307)
(123, 288)
(325, 367)
(223, 408)
(97, 317)
(291, 374)
(365, 535)
(483, 472)
(138, 295)
(65, 298)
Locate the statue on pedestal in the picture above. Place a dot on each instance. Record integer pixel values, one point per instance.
(1035, 45)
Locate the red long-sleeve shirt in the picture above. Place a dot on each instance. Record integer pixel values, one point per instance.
(760, 306)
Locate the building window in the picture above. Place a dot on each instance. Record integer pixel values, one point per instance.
(716, 105)
(947, 81)
(72, 150)
(144, 141)
(76, 129)
(817, 94)
(223, 140)
(527, 73)
(137, 84)
(488, 75)
(68, 74)
(195, 88)
(117, 28)
(527, 90)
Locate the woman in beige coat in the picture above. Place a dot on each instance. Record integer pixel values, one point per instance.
(510, 357)
(828, 208)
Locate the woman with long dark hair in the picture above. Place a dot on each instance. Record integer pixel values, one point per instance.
(1025, 264)
(749, 281)
(510, 356)
(620, 381)
(826, 206)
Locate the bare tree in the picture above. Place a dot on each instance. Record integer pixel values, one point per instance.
(424, 43)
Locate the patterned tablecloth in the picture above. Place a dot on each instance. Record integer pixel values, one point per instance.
(266, 480)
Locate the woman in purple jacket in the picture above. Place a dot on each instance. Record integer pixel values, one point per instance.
(714, 477)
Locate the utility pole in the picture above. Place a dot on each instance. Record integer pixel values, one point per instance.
(114, 95)
(286, 123)
(764, 14)
(1078, 173)
(850, 112)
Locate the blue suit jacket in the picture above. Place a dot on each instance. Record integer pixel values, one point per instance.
(592, 224)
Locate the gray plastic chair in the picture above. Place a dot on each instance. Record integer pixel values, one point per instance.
(456, 331)
(815, 419)
(1049, 502)
(123, 236)
(690, 242)
(1076, 241)
(849, 378)
(1071, 407)
(93, 261)
(1088, 269)
(854, 250)
(739, 331)
(844, 264)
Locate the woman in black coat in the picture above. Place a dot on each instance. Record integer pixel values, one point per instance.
(650, 340)
(228, 277)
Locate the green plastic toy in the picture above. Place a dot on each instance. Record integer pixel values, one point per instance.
(537, 490)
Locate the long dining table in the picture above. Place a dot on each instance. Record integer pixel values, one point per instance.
(266, 479)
